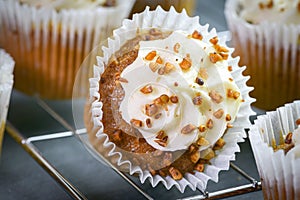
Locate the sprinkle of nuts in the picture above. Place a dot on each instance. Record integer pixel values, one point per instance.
(137, 123)
(214, 40)
(219, 113)
(209, 124)
(161, 71)
(151, 109)
(215, 96)
(228, 117)
(209, 154)
(202, 128)
(199, 167)
(288, 138)
(153, 66)
(150, 55)
(147, 89)
(203, 73)
(193, 148)
(219, 144)
(199, 81)
(164, 98)
(195, 157)
(116, 136)
(188, 129)
(160, 134)
(298, 122)
(214, 57)
(162, 142)
(148, 123)
(219, 48)
(224, 55)
(229, 125)
(197, 35)
(174, 99)
(197, 100)
(202, 141)
(175, 173)
(230, 68)
(185, 63)
(168, 67)
(176, 47)
(157, 116)
(236, 94)
(159, 60)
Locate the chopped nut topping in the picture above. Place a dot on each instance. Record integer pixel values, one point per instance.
(159, 60)
(199, 167)
(151, 109)
(199, 81)
(136, 123)
(164, 98)
(185, 63)
(195, 157)
(215, 96)
(193, 148)
(230, 68)
(148, 123)
(214, 57)
(209, 154)
(288, 138)
(175, 84)
(203, 73)
(202, 128)
(168, 67)
(176, 47)
(157, 116)
(230, 79)
(197, 35)
(209, 124)
(174, 99)
(214, 40)
(175, 173)
(224, 55)
(116, 136)
(219, 144)
(147, 89)
(188, 129)
(161, 71)
(202, 141)
(236, 94)
(219, 48)
(229, 125)
(162, 142)
(160, 134)
(219, 113)
(150, 55)
(153, 66)
(298, 122)
(228, 117)
(229, 93)
(197, 100)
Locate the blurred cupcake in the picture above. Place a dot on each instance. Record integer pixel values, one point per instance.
(265, 34)
(167, 101)
(50, 39)
(6, 84)
(275, 141)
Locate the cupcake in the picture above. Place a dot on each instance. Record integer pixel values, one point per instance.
(275, 141)
(167, 101)
(50, 39)
(6, 84)
(265, 34)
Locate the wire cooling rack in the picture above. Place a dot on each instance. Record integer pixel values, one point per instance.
(28, 143)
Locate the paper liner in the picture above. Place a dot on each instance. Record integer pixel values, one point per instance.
(6, 83)
(279, 172)
(272, 55)
(49, 46)
(171, 21)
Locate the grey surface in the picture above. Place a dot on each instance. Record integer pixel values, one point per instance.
(22, 178)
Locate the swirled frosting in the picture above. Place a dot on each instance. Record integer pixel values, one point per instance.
(279, 11)
(178, 90)
(65, 4)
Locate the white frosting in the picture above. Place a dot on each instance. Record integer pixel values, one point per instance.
(180, 114)
(295, 151)
(281, 11)
(65, 4)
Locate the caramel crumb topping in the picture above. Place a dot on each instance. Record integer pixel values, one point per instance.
(161, 71)
(136, 123)
(214, 40)
(219, 113)
(219, 48)
(174, 99)
(159, 60)
(148, 123)
(209, 124)
(228, 117)
(185, 63)
(298, 122)
(202, 128)
(229, 125)
(219, 144)
(195, 157)
(161, 138)
(233, 94)
(199, 167)
(168, 67)
(176, 47)
(224, 55)
(197, 35)
(230, 68)
(197, 100)
(175, 173)
(202, 141)
(210, 154)
(203, 73)
(215, 96)
(193, 148)
(150, 55)
(146, 89)
(288, 138)
(188, 129)
(157, 116)
(151, 109)
(117, 136)
(214, 57)
(153, 66)
(236, 94)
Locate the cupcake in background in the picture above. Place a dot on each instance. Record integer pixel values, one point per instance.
(275, 141)
(50, 39)
(6, 83)
(167, 101)
(265, 34)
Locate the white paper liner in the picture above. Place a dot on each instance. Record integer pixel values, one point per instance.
(272, 55)
(6, 83)
(279, 172)
(171, 21)
(49, 46)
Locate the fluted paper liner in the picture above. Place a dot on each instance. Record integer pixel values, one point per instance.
(279, 172)
(6, 83)
(272, 55)
(171, 21)
(49, 46)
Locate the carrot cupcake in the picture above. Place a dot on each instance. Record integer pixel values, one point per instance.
(50, 39)
(265, 34)
(167, 100)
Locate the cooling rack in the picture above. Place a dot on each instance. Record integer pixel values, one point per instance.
(29, 145)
